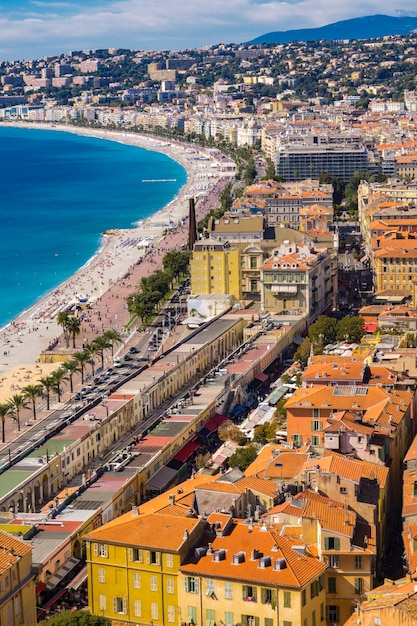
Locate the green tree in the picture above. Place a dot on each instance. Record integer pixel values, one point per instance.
(100, 344)
(303, 352)
(270, 169)
(265, 432)
(58, 376)
(323, 331)
(47, 384)
(82, 358)
(4, 412)
(71, 367)
(75, 618)
(243, 457)
(228, 431)
(32, 393)
(17, 403)
(350, 329)
(62, 320)
(113, 337)
(73, 328)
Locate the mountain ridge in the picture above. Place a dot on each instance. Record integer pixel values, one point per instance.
(367, 27)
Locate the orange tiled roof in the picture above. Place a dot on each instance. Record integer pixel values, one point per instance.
(299, 568)
(156, 531)
(11, 550)
(349, 468)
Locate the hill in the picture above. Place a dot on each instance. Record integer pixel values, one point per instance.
(369, 27)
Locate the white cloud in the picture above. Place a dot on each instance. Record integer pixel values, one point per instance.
(171, 24)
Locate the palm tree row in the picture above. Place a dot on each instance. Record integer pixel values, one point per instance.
(54, 382)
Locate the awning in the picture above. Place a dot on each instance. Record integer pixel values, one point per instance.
(370, 327)
(262, 377)
(62, 573)
(39, 588)
(277, 394)
(393, 299)
(186, 451)
(79, 579)
(284, 288)
(161, 479)
(237, 410)
(212, 425)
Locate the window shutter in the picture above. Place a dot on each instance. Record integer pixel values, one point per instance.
(148, 557)
(186, 584)
(254, 593)
(312, 426)
(140, 556)
(95, 549)
(114, 605)
(326, 543)
(244, 592)
(256, 621)
(336, 543)
(130, 554)
(124, 605)
(263, 595)
(158, 558)
(196, 585)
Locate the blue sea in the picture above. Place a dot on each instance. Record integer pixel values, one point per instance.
(58, 193)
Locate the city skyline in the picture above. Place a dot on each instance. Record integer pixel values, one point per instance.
(38, 28)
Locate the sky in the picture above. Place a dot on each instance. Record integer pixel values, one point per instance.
(31, 29)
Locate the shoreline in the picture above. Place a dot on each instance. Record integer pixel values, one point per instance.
(30, 332)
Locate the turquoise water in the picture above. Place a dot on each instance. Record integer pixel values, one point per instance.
(58, 193)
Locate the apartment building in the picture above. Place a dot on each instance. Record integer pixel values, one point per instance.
(215, 268)
(249, 574)
(303, 156)
(133, 566)
(17, 582)
(297, 278)
(339, 536)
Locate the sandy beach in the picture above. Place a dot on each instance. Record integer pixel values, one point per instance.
(116, 268)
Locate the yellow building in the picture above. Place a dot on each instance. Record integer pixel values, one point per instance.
(395, 265)
(215, 268)
(338, 535)
(133, 565)
(250, 575)
(17, 586)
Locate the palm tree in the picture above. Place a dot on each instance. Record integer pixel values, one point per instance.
(100, 344)
(32, 392)
(47, 385)
(81, 358)
(71, 368)
(62, 320)
(73, 327)
(4, 412)
(92, 350)
(58, 376)
(16, 404)
(113, 337)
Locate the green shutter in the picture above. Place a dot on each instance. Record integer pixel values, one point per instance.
(336, 543)
(263, 595)
(256, 621)
(326, 543)
(186, 584)
(244, 592)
